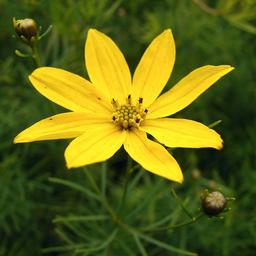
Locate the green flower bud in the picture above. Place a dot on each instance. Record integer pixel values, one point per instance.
(213, 203)
(25, 27)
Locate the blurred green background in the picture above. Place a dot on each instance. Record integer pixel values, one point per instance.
(35, 209)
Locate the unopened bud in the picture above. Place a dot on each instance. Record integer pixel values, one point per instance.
(213, 203)
(195, 174)
(212, 184)
(25, 27)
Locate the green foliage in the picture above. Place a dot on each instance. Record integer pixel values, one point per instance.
(65, 215)
(239, 13)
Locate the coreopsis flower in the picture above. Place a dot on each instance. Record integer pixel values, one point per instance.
(115, 109)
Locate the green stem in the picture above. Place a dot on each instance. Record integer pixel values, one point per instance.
(103, 178)
(214, 124)
(102, 197)
(75, 186)
(146, 200)
(35, 54)
(81, 218)
(126, 181)
(192, 220)
(92, 181)
(179, 201)
(149, 239)
(168, 247)
(139, 245)
(100, 246)
(127, 227)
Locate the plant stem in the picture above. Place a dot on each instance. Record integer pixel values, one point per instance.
(102, 197)
(103, 178)
(168, 247)
(35, 54)
(179, 201)
(133, 231)
(203, 6)
(139, 245)
(126, 181)
(192, 220)
(100, 246)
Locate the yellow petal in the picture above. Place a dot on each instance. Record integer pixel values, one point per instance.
(61, 126)
(106, 66)
(152, 156)
(187, 90)
(155, 68)
(96, 145)
(69, 90)
(174, 132)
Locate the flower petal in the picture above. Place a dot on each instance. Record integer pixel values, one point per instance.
(96, 145)
(106, 66)
(187, 90)
(69, 90)
(155, 67)
(61, 126)
(152, 156)
(174, 132)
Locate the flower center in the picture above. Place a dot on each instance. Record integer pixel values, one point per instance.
(128, 116)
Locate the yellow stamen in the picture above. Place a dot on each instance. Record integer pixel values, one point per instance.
(128, 116)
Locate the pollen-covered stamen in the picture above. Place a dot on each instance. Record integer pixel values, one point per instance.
(128, 116)
(115, 103)
(129, 99)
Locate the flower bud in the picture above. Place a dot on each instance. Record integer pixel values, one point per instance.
(213, 203)
(195, 174)
(25, 27)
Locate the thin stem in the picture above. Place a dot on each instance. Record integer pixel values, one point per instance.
(164, 245)
(179, 201)
(149, 239)
(192, 220)
(81, 218)
(75, 186)
(146, 200)
(47, 31)
(159, 222)
(126, 181)
(103, 178)
(102, 197)
(137, 177)
(203, 6)
(35, 54)
(214, 123)
(92, 181)
(101, 246)
(139, 245)
(127, 227)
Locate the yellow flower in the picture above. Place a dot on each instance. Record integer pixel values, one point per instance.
(115, 109)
